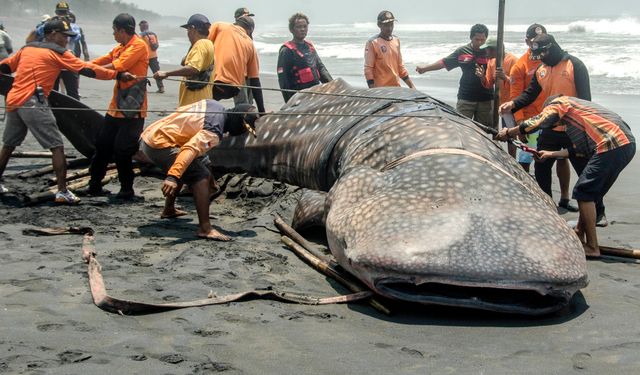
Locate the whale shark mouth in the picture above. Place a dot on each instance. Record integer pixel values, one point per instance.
(515, 299)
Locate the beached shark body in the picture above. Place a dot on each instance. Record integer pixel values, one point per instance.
(423, 208)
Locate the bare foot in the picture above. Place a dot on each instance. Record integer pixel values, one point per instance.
(213, 235)
(590, 252)
(170, 214)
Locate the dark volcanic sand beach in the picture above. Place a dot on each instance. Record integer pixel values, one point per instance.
(49, 324)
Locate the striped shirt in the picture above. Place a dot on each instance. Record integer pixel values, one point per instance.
(592, 128)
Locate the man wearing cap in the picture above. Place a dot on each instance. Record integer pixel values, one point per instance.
(235, 59)
(151, 39)
(178, 144)
(474, 100)
(488, 77)
(242, 12)
(382, 58)
(521, 75)
(123, 123)
(197, 65)
(36, 67)
(6, 45)
(299, 66)
(559, 74)
(597, 135)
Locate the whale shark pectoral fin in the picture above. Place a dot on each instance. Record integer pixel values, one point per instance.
(310, 211)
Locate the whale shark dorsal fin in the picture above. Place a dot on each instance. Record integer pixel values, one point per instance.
(310, 211)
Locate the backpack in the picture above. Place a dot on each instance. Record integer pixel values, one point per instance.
(152, 38)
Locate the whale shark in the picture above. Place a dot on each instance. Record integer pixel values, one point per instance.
(417, 201)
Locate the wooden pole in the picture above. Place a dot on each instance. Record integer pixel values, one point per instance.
(620, 252)
(36, 154)
(75, 175)
(322, 263)
(499, 58)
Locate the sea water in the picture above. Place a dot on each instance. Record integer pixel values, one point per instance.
(610, 48)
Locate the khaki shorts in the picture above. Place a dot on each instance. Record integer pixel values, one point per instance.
(481, 112)
(36, 117)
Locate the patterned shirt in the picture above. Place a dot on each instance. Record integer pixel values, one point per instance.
(592, 129)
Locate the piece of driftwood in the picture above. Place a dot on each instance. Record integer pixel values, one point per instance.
(76, 175)
(82, 183)
(36, 154)
(322, 263)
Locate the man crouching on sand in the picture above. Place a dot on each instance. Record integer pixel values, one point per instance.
(178, 143)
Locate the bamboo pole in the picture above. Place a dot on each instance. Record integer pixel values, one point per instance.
(49, 169)
(75, 175)
(499, 58)
(36, 154)
(620, 252)
(322, 264)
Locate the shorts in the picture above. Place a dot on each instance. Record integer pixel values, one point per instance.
(551, 140)
(165, 157)
(601, 172)
(36, 117)
(481, 112)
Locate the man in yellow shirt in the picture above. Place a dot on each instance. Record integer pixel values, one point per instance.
(382, 58)
(197, 65)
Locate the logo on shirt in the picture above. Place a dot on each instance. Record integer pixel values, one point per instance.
(543, 72)
(383, 49)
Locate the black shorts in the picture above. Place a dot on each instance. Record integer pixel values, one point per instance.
(601, 172)
(224, 92)
(551, 140)
(165, 157)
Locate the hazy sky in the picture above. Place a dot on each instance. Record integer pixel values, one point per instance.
(411, 11)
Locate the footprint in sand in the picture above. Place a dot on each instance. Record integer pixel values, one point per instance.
(580, 361)
(609, 277)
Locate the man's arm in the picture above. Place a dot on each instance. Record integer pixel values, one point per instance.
(283, 69)
(581, 79)
(185, 71)
(257, 94)
(83, 45)
(369, 63)
(430, 67)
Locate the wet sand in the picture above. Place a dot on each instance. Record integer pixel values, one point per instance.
(50, 325)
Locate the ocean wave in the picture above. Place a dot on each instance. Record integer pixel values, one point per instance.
(619, 26)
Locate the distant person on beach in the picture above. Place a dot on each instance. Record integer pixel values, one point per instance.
(299, 66)
(197, 65)
(244, 95)
(489, 76)
(123, 123)
(151, 40)
(178, 143)
(474, 100)
(6, 44)
(36, 67)
(521, 74)
(597, 135)
(77, 46)
(559, 74)
(383, 64)
(236, 59)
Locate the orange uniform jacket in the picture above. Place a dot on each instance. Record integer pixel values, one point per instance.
(235, 57)
(35, 66)
(132, 58)
(383, 62)
(490, 75)
(521, 74)
(194, 128)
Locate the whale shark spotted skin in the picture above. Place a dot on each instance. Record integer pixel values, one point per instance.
(417, 202)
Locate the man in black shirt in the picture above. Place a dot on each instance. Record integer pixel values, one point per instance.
(299, 66)
(474, 100)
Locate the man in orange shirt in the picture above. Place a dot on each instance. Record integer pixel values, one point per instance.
(488, 76)
(177, 144)
(235, 59)
(382, 58)
(118, 138)
(559, 73)
(151, 39)
(36, 67)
